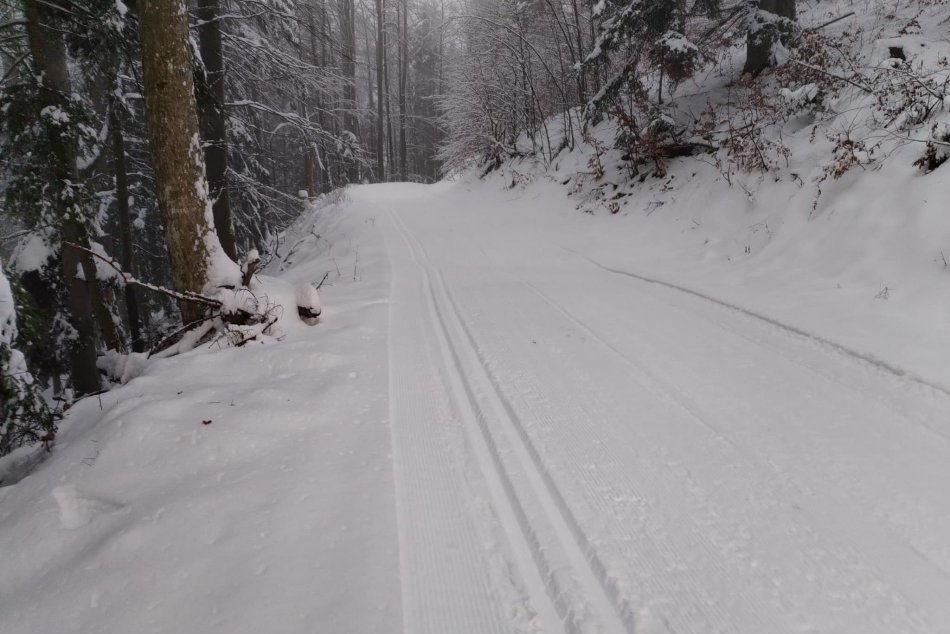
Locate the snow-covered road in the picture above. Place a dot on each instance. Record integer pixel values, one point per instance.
(511, 420)
(577, 449)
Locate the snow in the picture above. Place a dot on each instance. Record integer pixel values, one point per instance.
(8, 330)
(275, 515)
(55, 114)
(31, 253)
(513, 418)
(712, 401)
(308, 299)
(15, 364)
(674, 42)
(122, 367)
(222, 270)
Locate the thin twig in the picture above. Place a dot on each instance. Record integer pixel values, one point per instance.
(829, 74)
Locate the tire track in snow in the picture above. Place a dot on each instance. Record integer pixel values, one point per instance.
(725, 316)
(828, 511)
(595, 606)
(860, 357)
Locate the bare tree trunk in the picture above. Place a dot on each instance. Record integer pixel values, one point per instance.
(49, 58)
(348, 70)
(316, 175)
(389, 116)
(125, 222)
(214, 129)
(763, 36)
(403, 73)
(380, 51)
(581, 73)
(101, 296)
(348, 61)
(172, 121)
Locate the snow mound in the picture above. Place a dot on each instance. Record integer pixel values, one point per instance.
(77, 510)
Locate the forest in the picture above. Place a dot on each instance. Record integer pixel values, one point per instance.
(474, 316)
(111, 112)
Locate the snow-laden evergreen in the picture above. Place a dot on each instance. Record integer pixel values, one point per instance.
(25, 418)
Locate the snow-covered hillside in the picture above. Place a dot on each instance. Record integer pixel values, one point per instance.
(503, 423)
(843, 233)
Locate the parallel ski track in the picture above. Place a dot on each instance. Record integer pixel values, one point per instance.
(447, 580)
(611, 612)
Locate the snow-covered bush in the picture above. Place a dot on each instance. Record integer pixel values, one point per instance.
(25, 417)
(937, 150)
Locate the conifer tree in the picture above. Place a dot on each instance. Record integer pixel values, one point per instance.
(25, 417)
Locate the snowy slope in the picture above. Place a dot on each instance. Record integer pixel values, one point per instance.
(503, 425)
(277, 515)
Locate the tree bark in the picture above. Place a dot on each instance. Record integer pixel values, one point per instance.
(215, 125)
(172, 120)
(49, 59)
(312, 163)
(389, 117)
(348, 70)
(380, 51)
(582, 72)
(125, 223)
(403, 74)
(761, 40)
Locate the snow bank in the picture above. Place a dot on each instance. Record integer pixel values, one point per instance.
(244, 489)
(861, 260)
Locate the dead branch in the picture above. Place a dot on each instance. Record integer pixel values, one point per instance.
(831, 21)
(832, 75)
(167, 339)
(249, 268)
(185, 296)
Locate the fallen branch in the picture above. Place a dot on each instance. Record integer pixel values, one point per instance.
(185, 296)
(830, 22)
(832, 75)
(325, 275)
(167, 339)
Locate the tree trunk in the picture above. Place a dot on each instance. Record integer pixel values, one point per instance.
(403, 73)
(172, 121)
(125, 223)
(348, 69)
(214, 128)
(316, 173)
(49, 59)
(582, 71)
(380, 46)
(389, 117)
(763, 35)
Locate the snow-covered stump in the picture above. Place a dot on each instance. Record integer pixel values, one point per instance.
(308, 304)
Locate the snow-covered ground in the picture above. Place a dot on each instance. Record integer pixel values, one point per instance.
(516, 417)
